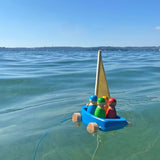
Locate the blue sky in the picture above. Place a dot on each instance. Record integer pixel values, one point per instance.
(88, 23)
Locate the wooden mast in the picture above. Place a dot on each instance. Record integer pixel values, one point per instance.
(98, 71)
(101, 85)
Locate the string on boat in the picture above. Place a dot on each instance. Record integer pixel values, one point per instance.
(46, 133)
(98, 142)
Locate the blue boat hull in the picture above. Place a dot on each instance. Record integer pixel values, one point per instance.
(103, 123)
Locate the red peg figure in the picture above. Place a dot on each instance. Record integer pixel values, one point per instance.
(111, 111)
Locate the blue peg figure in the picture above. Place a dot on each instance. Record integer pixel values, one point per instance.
(93, 104)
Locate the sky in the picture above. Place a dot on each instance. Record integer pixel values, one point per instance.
(85, 23)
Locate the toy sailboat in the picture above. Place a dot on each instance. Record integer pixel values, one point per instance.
(101, 89)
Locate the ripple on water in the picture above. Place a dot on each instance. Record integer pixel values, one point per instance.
(40, 89)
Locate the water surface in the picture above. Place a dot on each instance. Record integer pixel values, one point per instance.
(39, 92)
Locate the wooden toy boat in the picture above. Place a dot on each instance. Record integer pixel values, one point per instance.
(104, 124)
(101, 89)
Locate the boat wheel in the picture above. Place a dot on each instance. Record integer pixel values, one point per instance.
(92, 128)
(76, 117)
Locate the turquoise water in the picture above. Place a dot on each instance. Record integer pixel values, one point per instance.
(39, 92)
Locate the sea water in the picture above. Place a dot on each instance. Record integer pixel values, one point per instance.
(40, 90)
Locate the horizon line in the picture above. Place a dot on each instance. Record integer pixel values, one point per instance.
(82, 47)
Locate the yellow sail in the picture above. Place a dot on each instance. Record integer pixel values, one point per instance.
(101, 86)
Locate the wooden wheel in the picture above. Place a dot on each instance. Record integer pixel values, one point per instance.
(76, 117)
(92, 128)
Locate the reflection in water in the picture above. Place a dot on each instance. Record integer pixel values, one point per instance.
(98, 143)
(46, 133)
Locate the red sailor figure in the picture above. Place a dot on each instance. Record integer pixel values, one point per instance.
(111, 111)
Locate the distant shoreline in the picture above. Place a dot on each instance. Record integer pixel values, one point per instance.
(103, 48)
